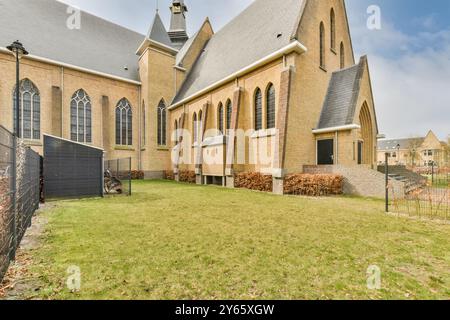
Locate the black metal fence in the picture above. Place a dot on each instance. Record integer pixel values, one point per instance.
(118, 176)
(19, 194)
(423, 195)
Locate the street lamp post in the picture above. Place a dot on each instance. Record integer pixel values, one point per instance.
(18, 51)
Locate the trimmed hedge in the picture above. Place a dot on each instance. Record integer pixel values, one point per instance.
(314, 184)
(254, 181)
(169, 175)
(137, 175)
(187, 176)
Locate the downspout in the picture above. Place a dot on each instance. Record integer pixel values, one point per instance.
(62, 102)
(140, 129)
(337, 147)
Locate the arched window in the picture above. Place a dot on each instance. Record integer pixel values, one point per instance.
(322, 45)
(29, 110)
(162, 116)
(258, 109)
(342, 55)
(333, 30)
(200, 125)
(229, 114)
(80, 117)
(220, 117)
(175, 127)
(270, 107)
(124, 123)
(194, 127)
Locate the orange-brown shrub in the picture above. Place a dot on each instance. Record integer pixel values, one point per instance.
(137, 175)
(169, 175)
(187, 176)
(313, 184)
(254, 181)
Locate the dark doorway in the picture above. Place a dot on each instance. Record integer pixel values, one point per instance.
(360, 152)
(325, 152)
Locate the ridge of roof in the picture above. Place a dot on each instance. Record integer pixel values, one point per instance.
(84, 11)
(37, 23)
(158, 32)
(246, 39)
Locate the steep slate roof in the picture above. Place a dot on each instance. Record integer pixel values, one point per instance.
(340, 102)
(158, 32)
(185, 49)
(99, 45)
(249, 37)
(404, 143)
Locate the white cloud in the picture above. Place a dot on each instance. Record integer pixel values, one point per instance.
(410, 78)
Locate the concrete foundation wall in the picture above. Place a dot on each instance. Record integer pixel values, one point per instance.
(361, 180)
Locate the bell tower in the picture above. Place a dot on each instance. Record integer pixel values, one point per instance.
(177, 32)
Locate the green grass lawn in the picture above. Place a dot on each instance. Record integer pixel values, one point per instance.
(177, 241)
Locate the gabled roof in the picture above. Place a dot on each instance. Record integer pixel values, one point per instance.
(340, 102)
(158, 32)
(99, 45)
(265, 27)
(185, 49)
(393, 144)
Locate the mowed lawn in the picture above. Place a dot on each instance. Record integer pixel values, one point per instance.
(177, 241)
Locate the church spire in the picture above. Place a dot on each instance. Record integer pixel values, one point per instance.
(177, 32)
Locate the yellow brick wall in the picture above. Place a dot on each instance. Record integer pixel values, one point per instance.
(311, 82)
(45, 76)
(158, 83)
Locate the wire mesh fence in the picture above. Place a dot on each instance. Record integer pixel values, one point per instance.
(423, 195)
(118, 176)
(19, 194)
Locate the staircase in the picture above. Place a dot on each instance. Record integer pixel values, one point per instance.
(411, 180)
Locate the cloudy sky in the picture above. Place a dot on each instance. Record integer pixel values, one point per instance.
(409, 57)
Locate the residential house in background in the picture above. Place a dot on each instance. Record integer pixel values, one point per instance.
(415, 152)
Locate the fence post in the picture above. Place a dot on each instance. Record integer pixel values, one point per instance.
(102, 177)
(432, 173)
(12, 249)
(386, 170)
(130, 178)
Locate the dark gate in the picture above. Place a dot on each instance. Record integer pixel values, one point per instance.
(71, 170)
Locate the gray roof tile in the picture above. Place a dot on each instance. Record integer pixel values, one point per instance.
(340, 101)
(158, 32)
(249, 37)
(99, 45)
(405, 144)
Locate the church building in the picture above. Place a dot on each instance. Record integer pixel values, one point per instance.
(277, 90)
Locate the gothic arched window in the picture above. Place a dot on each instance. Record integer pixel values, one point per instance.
(194, 127)
(333, 30)
(29, 110)
(342, 55)
(270, 107)
(229, 114)
(220, 118)
(322, 45)
(258, 109)
(124, 123)
(162, 116)
(81, 117)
